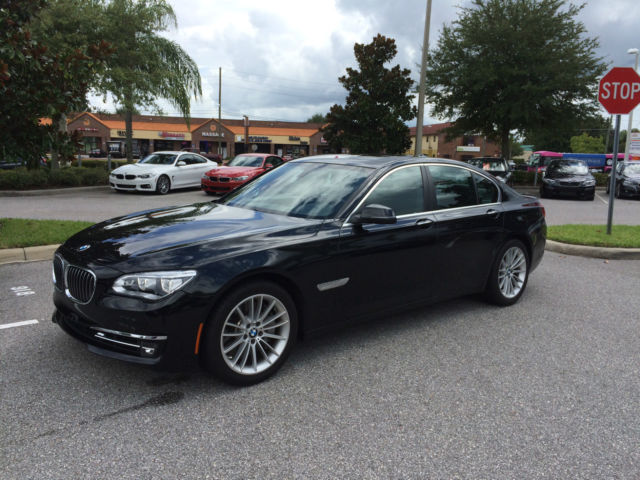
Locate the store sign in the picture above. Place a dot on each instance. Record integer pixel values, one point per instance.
(212, 134)
(85, 129)
(323, 141)
(259, 139)
(122, 133)
(293, 138)
(634, 146)
(171, 135)
(468, 149)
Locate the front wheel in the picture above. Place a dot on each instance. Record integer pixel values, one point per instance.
(509, 274)
(251, 333)
(163, 185)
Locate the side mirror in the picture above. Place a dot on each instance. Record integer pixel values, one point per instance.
(181, 163)
(377, 214)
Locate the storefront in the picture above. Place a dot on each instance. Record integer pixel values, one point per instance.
(93, 131)
(213, 138)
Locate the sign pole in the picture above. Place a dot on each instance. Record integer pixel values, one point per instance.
(614, 165)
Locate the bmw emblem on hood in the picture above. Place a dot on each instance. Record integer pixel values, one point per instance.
(83, 248)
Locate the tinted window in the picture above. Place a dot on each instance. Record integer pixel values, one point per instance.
(159, 159)
(275, 161)
(454, 186)
(400, 190)
(487, 191)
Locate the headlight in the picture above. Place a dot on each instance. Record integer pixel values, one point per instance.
(629, 183)
(145, 175)
(112, 174)
(152, 285)
(240, 179)
(590, 183)
(548, 180)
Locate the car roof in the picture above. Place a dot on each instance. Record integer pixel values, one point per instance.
(375, 162)
(256, 155)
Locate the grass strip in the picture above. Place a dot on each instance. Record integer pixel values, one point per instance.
(22, 232)
(622, 236)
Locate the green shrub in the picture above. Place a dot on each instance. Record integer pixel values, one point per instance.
(94, 176)
(601, 179)
(520, 177)
(64, 177)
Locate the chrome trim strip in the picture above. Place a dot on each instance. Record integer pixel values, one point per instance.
(323, 287)
(129, 335)
(101, 336)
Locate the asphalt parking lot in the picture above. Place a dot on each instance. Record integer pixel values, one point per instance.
(101, 203)
(547, 388)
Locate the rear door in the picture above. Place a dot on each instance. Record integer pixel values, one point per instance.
(470, 221)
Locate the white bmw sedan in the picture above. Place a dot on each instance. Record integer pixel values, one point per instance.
(161, 172)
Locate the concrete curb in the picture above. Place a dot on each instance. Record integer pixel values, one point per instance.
(27, 254)
(51, 191)
(593, 252)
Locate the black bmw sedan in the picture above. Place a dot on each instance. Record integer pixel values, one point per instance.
(568, 178)
(230, 285)
(627, 180)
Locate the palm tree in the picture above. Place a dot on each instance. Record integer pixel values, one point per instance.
(144, 65)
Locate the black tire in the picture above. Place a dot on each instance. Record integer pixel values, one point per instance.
(250, 337)
(163, 185)
(618, 191)
(209, 193)
(543, 193)
(515, 277)
(607, 188)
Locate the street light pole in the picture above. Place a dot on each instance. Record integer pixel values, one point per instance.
(631, 51)
(421, 88)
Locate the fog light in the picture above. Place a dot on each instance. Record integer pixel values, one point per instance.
(148, 349)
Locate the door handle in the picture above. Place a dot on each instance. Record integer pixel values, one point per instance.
(424, 222)
(493, 213)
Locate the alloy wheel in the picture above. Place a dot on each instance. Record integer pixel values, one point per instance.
(512, 272)
(255, 334)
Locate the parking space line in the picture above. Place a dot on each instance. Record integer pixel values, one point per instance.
(602, 200)
(18, 324)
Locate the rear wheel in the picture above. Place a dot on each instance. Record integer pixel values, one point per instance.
(618, 191)
(251, 333)
(509, 274)
(163, 185)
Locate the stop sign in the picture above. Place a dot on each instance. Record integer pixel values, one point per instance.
(619, 90)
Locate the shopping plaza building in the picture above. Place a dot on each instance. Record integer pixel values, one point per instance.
(231, 137)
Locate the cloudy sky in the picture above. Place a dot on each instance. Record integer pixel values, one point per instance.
(281, 59)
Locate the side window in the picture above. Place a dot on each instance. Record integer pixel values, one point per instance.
(401, 190)
(487, 191)
(186, 159)
(454, 186)
(197, 160)
(275, 161)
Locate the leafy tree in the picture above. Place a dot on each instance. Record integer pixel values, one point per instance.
(145, 65)
(587, 144)
(66, 27)
(514, 65)
(378, 103)
(38, 81)
(559, 140)
(317, 118)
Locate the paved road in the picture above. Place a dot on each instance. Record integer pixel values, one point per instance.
(102, 203)
(547, 388)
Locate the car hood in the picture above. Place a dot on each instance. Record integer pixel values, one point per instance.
(199, 233)
(136, 168)
(635, 178)
(235, 171)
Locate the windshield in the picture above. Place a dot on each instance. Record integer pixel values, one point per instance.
(246, 161)
(307, 190)
(633, 169)
(159, 159)
(568, 168)
(489, 165)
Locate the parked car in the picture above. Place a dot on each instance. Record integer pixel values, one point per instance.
(498, 167)
(568, 178)
(231, 284)
(240, 170)
(97, 153)
(216, 157)
(627, 180)
(161, 172)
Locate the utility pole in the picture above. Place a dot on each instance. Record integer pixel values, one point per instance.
(219, 108)
(421, 87)
(246, 134)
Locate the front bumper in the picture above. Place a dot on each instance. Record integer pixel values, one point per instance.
(219, 188)
(139, 184)
(578, 191)
(630, 190)
(163, 334)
